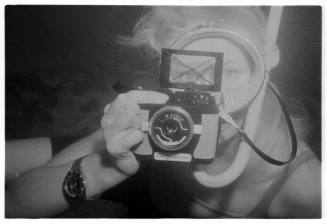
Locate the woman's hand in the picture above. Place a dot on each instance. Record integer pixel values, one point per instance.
(121, 126)
(122, 130)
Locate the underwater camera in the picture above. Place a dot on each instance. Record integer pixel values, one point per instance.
(185, 128)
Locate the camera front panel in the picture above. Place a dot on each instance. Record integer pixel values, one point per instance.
(175, 134)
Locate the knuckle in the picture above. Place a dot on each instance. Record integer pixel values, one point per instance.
(137, 123)
(127, 119)
(122, 97)
(109, 132)
(130, 93)
(105, 121)
(130, 115)
(113, 149)
(109, 148)
(139, 134)
(134, 166)
(131, 96)
(107, 137)
(106, 108)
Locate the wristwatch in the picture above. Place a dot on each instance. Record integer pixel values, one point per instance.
(74, 185)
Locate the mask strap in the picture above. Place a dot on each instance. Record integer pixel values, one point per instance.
(264, 156)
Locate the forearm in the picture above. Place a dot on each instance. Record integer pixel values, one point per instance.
(84, 146)
(38, 193)
(26, 154)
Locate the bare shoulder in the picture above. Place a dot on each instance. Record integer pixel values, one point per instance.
(300, 196)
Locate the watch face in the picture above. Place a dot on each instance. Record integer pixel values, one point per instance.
(74, 186)
(171, 128)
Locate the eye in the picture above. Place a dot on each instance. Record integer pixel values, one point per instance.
(231, 73)
(235, 77)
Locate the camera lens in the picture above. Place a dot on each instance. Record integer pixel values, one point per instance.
(171, 128)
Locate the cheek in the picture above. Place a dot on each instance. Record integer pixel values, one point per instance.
(227, 131)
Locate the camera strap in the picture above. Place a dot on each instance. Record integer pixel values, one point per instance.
(245, 137)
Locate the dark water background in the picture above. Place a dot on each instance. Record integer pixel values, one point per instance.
(61, 62)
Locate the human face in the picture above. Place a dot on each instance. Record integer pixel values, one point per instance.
(237, 70)
(236, 67)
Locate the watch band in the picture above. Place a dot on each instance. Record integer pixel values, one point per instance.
(77, 165)
(74, 185)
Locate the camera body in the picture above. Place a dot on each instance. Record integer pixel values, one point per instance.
(186, 127)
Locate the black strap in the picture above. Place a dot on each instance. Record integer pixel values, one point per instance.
(290, 128)
(74, 186)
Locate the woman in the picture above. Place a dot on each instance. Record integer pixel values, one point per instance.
(175, 190)
(261, 189)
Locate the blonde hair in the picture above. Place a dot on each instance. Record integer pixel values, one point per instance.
(160, 25)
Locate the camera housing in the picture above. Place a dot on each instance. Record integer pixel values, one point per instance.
(185, 128)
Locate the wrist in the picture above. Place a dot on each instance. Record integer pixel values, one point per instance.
(99, 142)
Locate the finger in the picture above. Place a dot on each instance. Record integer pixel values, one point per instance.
(121, 146)
(125, 121)
(106, 120)
(106, 108)
(143, 97)
(128, 165)
(119, 104)
(131, 104)
(122, 103)
(137, 123)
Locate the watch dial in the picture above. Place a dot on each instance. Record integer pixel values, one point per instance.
(75, 185)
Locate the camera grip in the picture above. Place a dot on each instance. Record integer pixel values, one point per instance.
(206, 147)
(144, 148)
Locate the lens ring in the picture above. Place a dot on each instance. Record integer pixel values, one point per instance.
(170, 113)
